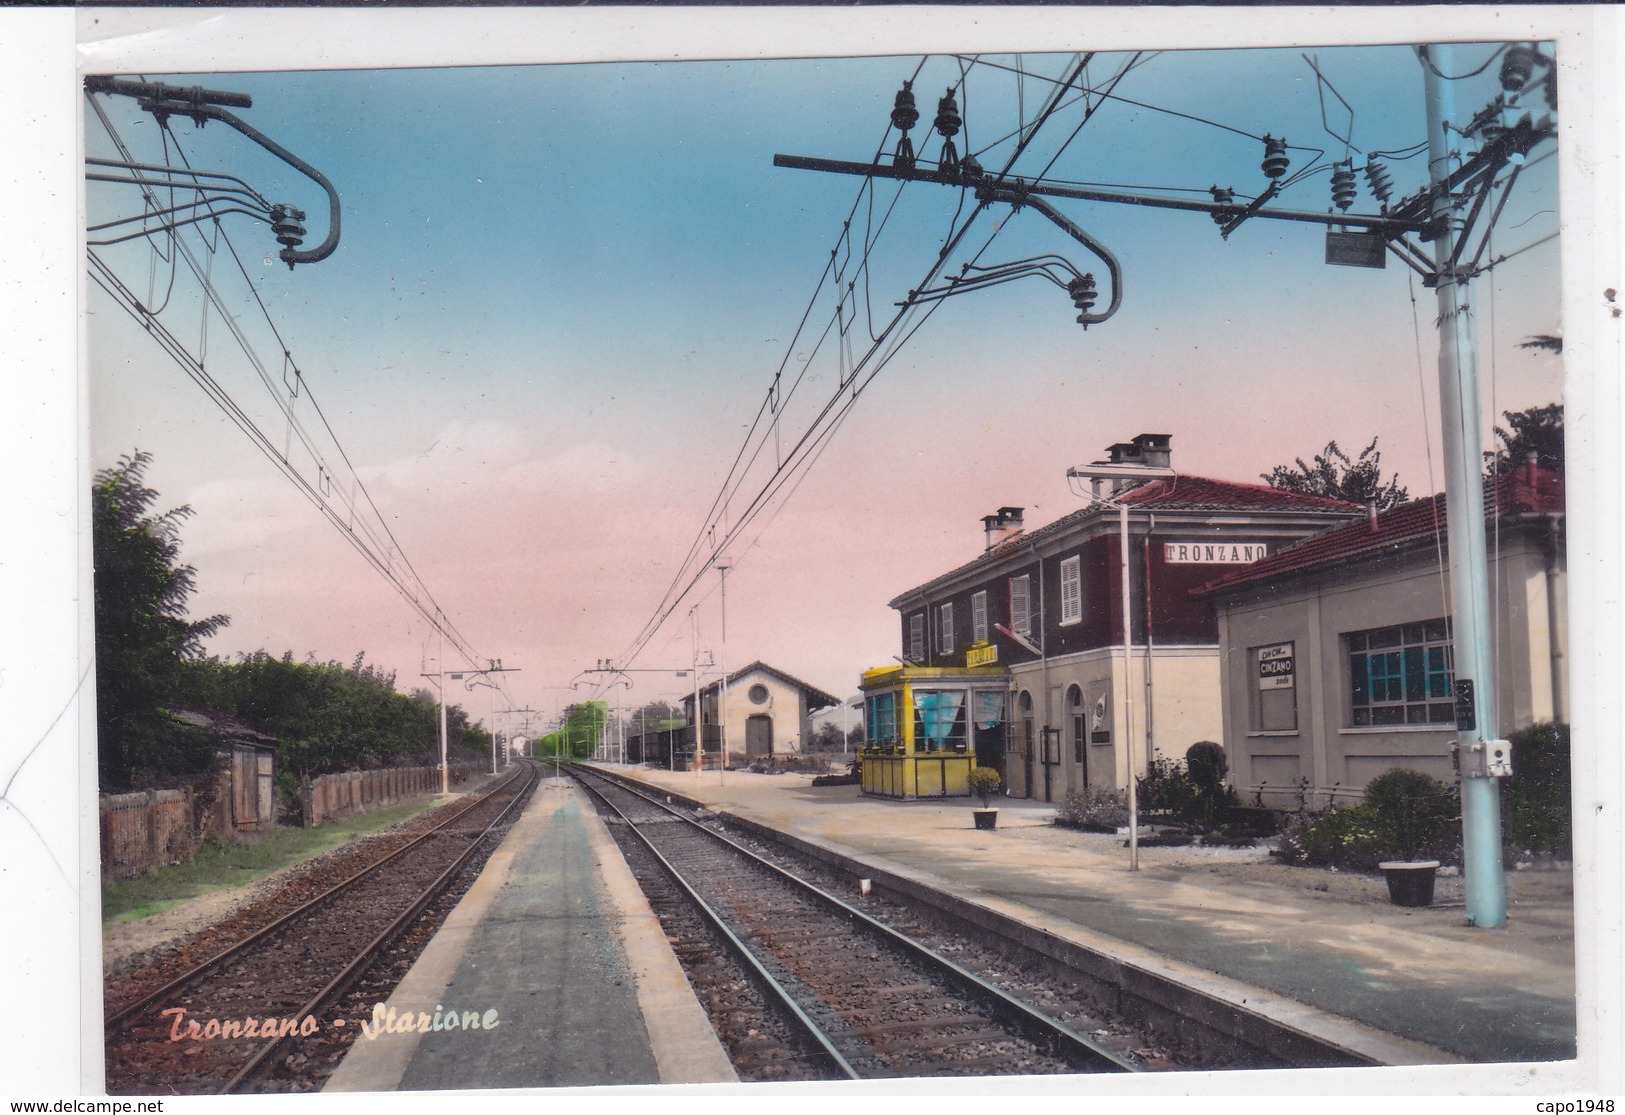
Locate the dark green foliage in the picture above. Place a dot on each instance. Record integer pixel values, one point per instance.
(1351, 838)
(1536, 814)
(143, 635)
(1419, 816)
(1094, 810)
(1192, 790)
(578, 737)
(329, 717)
(1538, 430)
(1406, 815)
(1333, 474)
(984, 783)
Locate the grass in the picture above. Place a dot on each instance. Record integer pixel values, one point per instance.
(219, 865)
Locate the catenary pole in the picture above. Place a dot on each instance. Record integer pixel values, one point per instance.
(1474, 673)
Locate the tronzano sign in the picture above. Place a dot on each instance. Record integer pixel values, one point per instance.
(1213, 553)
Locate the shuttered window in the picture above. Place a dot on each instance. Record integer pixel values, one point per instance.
(916, 637)
(945, 629)
(1021, 607)
(1072, 590)
(978, 618)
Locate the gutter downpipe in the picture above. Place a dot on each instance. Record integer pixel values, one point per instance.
(1128, 688)
(1043, 658)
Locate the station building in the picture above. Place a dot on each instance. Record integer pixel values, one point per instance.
(1017, 658)
(764, 712)
(1337, 653)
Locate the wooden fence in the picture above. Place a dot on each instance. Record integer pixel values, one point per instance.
(331, 796)
(146, 829)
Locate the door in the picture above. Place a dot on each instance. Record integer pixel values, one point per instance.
(759, 735)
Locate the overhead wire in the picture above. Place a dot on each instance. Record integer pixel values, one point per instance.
(817, 434)
(371, 546)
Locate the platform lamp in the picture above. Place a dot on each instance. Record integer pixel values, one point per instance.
(1136, 475)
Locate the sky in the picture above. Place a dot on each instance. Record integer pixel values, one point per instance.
(562, 292)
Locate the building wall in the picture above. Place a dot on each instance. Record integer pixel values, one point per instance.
(1336, 758)
(1184, 706)
(784, 704)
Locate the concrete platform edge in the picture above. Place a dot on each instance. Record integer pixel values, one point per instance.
(1168, 992)
(684, 1045)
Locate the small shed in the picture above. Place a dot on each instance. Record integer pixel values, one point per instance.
(759, 711)
(244, 784)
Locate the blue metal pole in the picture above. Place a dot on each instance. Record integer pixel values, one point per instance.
(1477, 717)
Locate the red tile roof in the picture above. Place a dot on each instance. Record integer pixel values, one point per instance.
(1525, 491)
(1197, 493)
(1182, 493)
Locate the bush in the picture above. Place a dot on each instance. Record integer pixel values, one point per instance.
(1417, 814)
(1192, 790)
(1350, 837)
(1094, 810)
(984, 783)
(1536, 814)
(1406, 815)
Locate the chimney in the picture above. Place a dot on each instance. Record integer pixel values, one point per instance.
(1001, 527)
(1371, 515)
(1155, 450)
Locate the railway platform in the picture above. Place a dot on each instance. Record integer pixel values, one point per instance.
(1325, 949)
(556, 945)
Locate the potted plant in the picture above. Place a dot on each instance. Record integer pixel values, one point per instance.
(1415, 814)
(984, 783)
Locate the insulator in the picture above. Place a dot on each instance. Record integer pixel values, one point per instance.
(948, 121)
(289, 233)
(1376, 176)
(1275, 158)
(1226, 197)
(904, 113)
(1343, 190)
(1517, 66)
(1082, 290)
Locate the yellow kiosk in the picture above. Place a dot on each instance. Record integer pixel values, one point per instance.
(927, 726)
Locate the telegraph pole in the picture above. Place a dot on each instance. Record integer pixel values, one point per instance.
(1474, 672)
(1444, 213)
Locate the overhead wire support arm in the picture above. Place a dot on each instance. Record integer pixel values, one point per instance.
(1387, 224)
(203, 104)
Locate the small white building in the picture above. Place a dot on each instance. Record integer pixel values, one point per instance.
(764, 712)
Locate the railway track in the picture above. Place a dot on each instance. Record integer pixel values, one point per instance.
(812, 987)
(249, 1017)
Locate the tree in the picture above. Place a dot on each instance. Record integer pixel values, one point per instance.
(1333, 474)
(143, 635)
(1538, 430)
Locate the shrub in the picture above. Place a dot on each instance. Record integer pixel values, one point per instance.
(1094, 810)
(984, 783)
(1416, 813)
(1350, 837)
(1535, 806)
(1406, 815)
(1192, 790)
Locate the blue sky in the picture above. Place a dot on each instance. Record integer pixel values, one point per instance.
(562, 292)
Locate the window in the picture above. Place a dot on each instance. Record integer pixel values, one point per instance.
(1021, 608)
(1072, 590)
(916, 637)
(758, 694)
(1401, 675)
(939, 720)
(978, 618)
(1273, 702)
(881, 719)
(1074, 705)
(945, 629)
